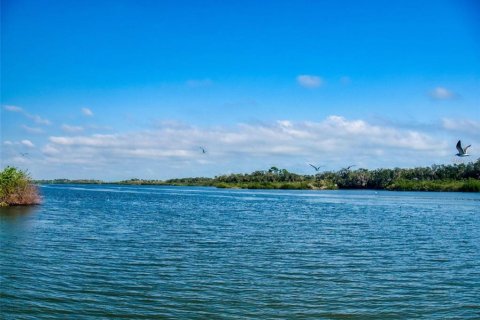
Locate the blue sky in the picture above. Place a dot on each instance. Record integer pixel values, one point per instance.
(122, 89)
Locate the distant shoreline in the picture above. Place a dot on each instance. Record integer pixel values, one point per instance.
(449, 178)
(427, 186)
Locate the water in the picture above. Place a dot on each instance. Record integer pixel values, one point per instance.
(101, 252)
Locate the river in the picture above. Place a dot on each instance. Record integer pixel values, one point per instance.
(149, 252)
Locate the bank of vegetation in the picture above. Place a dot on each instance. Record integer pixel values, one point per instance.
(456, 177)
(17, 189)
(69, 181)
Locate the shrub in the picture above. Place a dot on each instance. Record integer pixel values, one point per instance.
(16, 188)
(471, 185)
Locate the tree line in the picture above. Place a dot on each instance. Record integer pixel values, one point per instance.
(454, 177)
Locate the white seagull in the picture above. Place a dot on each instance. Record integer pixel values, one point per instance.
(462, 152)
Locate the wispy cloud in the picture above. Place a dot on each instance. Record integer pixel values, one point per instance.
(87, 112)
(32, 130)
(13, 108)
(441, 93)
(39, 120)
(198, 83)
(27, 143)
(99, 127)
(462, 125)
(71, 129)
(35, 118)
(309, 81)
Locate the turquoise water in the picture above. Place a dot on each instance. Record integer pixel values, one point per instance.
(101, 252)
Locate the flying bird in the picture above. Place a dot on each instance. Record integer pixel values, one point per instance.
(24, 154)
(462, 152)
(203, 149)
(315, 167)
(350, 166)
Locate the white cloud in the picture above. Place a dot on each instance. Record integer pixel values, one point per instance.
(333, 140)
(35, 118)
(50, 150)
(309, 81)
(27, 143)
(71, 129)
(13, 108)
(441, 93)
(197, 83)
(38, 120)
(87, 112)
(33, 130)
(285, 123)
(462, 125)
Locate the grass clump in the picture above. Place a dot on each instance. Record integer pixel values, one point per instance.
(468, 185)
(16, 188)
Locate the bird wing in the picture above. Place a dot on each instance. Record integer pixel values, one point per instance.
(311, 165)
(459, 147)
(467, 147)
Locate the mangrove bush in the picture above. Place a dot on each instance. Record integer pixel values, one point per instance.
(16, 188)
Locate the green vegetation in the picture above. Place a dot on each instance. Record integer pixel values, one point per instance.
(136, 181)
(68, 181)
(16, 188)
(273, 178)
(199, 181)
(457, 177)
(470, 185)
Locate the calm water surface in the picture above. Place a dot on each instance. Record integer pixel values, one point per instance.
(101, 252)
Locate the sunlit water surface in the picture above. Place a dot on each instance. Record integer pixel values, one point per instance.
(100, 252)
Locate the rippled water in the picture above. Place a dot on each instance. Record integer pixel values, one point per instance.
(94, 252)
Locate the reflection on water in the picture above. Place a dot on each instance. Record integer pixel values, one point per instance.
(17, 212)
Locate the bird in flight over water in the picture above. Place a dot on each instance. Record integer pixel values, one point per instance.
(462, 152)
(315, 167)
(203, 150)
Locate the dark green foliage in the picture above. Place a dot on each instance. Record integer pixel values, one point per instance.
(470, 185)
(457, 177)
(272, 175)
(200, 181)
